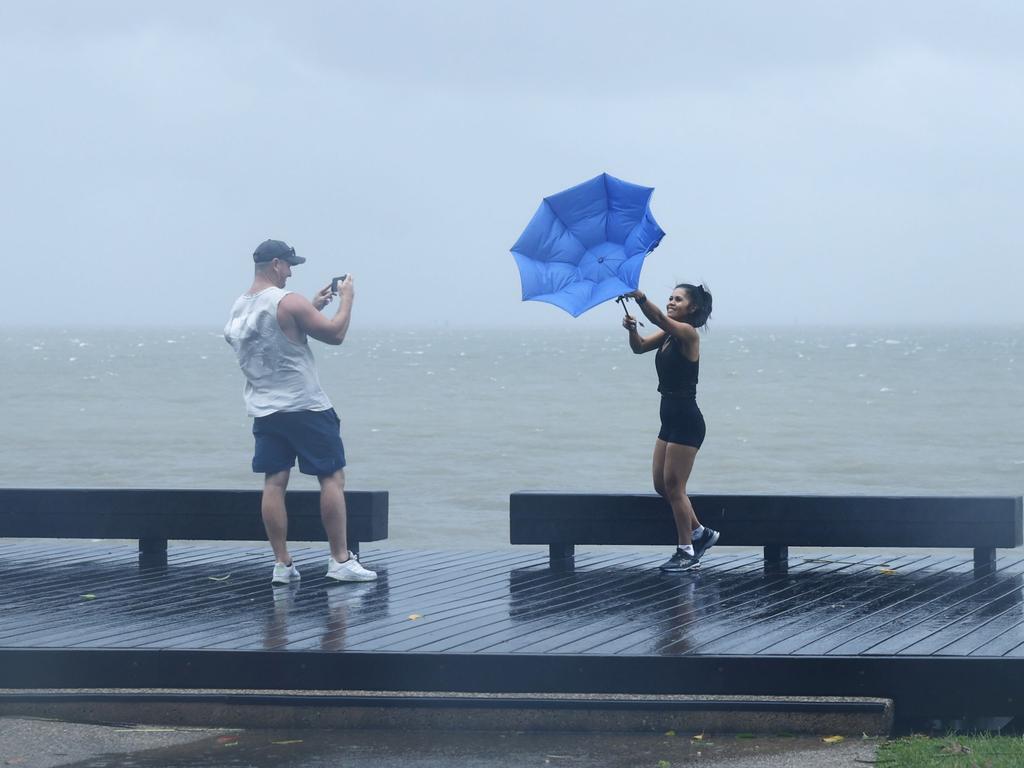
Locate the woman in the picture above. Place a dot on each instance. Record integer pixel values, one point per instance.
(682, 424)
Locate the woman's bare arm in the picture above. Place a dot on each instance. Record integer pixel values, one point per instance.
(640, 344)
(685, 332)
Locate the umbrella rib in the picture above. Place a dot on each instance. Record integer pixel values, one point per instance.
(555, 213)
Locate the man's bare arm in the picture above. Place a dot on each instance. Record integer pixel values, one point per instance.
(311, 322)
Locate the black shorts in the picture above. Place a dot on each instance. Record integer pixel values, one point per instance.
(313, 436)
(681, 422)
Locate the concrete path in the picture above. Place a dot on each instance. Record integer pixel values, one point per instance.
(31, 743)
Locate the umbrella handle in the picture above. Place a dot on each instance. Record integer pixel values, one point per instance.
(622, 300)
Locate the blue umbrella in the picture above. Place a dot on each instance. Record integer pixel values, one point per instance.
(587, 244)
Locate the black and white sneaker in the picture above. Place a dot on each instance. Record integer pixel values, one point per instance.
(680, 561)
(707, 540)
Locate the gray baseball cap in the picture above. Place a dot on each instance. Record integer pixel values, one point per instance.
(269, 250)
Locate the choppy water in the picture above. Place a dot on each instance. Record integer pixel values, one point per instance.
(452, 421)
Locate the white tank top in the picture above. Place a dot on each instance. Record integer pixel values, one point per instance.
(280, 374)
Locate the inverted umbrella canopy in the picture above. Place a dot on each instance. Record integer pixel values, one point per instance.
(587, 244)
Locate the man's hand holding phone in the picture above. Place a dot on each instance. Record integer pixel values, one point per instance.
(323, 297)
(343, 284)
(326, 294)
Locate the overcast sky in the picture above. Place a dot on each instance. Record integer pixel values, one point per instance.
(813, 162)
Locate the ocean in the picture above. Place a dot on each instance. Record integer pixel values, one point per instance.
(451, 421)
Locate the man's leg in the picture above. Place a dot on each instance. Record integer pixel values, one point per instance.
(333, 513)
(275, 516)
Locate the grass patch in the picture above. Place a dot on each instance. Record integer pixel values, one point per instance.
(952, 751)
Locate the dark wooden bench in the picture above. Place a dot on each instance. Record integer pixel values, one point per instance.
(155, 516)
(562, 520)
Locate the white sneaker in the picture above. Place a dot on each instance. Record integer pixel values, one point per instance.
(350, 570)
(285, 574)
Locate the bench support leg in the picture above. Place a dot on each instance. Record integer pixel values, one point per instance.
(152, 554)
(561, 555)
(153, 546)
(984, 559)
(776, 555)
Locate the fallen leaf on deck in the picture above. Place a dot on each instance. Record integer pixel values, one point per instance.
(698, 737)
(887, 571)
(288, 741)
(670, 733)
(219, 578)
(414, 616)
(833, 739)
(664, 764)
(88, 597)
(228, 741)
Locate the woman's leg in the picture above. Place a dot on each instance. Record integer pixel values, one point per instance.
(678, 464)
(658, 467)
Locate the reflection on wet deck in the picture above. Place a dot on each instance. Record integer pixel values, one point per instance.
(93, 596)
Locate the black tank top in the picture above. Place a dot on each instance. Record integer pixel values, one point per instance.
(677, 375)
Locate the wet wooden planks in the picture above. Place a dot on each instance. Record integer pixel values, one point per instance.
(613, 603)
(504, 617)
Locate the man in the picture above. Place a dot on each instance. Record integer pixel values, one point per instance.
(291, 414)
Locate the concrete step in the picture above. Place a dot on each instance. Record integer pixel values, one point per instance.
(686, 715)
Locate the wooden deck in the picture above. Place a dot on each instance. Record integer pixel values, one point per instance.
(922, 629)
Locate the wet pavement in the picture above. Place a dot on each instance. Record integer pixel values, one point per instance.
(45, 743)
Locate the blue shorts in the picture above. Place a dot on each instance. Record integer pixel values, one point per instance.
(313, 436)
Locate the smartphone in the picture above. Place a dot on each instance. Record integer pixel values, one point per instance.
(335, 281)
